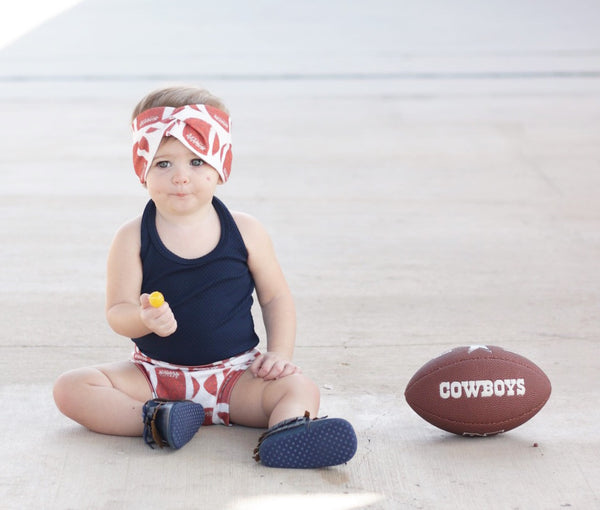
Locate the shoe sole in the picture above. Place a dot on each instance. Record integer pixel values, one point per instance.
(320, 443)
(184, 421)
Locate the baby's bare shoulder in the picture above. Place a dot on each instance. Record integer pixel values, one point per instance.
(246, 222)
(253, 232)
(129, 233)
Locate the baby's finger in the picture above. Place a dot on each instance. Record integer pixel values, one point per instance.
(167, 329)
(287, 369)
(256, 364)
(278, 370)
(266, 367)
(145, 300)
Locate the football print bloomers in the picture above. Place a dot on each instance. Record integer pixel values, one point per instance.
(207, 385)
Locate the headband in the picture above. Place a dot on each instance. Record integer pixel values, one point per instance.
(203, 129)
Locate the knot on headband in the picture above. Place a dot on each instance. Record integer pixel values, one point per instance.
(203, 129)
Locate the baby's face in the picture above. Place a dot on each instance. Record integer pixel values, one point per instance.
(178, 177)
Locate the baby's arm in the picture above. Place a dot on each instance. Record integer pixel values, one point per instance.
(128, 313)
(275, 298)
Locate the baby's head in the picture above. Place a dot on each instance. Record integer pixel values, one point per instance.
(176, 97)
(197, 118)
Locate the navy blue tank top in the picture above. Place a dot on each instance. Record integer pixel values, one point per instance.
(210, 296)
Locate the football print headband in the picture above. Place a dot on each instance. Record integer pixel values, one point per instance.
(203, 129)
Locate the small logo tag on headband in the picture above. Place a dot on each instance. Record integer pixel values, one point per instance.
(195, 142)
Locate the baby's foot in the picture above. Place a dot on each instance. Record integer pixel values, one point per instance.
(306, 443)
(171, 423)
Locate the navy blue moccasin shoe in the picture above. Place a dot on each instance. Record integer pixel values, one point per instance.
(171, 423)
(303, 443)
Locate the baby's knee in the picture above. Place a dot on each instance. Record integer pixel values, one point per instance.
(311, 387)
(304, 387)
(68, 388)
(62, 391)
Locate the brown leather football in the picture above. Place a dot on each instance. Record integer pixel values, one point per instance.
(478, 390)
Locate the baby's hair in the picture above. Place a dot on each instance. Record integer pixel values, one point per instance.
(178, 96)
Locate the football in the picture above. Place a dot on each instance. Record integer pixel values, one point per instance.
(478, 390)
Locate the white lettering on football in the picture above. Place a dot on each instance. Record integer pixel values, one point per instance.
(484, 388)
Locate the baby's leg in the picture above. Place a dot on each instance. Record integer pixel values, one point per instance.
(259, 403)
(293, 440)
(106, 398)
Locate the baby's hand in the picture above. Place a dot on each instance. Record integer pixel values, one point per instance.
(159, 320)
(270, 366)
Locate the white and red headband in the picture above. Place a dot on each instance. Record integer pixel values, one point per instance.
(203, 129)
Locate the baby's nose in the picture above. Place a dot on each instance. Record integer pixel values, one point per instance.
(181, 175)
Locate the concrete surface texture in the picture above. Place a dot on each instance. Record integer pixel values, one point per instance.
(429, 174)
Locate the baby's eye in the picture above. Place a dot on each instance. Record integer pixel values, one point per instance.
(163, 164)
(196, 162)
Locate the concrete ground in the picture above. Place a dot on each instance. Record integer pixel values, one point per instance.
(429, 172)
